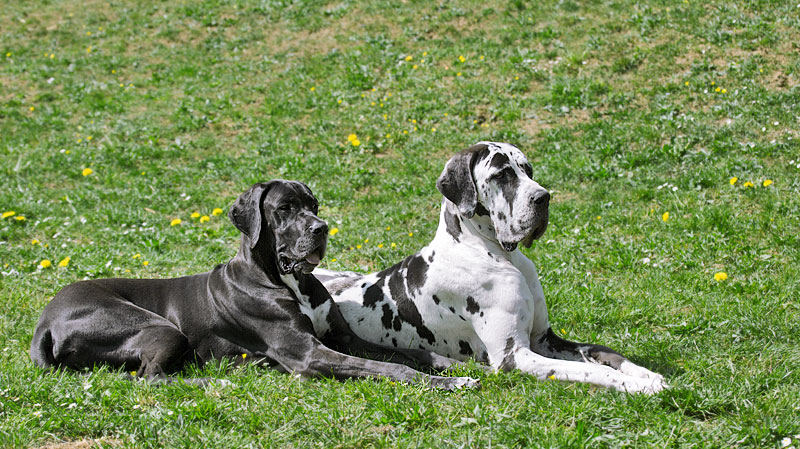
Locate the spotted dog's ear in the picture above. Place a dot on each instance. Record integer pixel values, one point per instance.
(456, 183)
(245, 213)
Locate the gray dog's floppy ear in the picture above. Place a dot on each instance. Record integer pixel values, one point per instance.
(245, 213)
(456, 183)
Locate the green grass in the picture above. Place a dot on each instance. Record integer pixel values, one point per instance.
(615, 103)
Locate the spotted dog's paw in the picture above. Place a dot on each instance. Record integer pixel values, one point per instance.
(454, 383)
(643, 385)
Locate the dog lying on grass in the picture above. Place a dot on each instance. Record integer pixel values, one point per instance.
(471, 292)
(262, 306)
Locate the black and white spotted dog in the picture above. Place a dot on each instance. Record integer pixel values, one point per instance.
(471, 292)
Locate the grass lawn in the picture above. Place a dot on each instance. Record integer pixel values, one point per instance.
(667, 131)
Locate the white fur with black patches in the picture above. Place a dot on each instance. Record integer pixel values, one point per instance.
(481, 297)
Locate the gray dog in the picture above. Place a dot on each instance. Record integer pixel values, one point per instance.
(262, 306)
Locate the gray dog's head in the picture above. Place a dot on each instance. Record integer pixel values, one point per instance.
(495, 179)
(280, 218)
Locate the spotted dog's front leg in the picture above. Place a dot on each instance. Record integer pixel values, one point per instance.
(513, 352)
(550, 345)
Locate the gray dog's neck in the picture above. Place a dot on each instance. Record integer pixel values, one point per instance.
(256, 265)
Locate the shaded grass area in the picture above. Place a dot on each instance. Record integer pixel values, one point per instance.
(627, 111)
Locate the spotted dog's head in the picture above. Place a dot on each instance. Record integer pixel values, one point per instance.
(494, 179)
(280, 219)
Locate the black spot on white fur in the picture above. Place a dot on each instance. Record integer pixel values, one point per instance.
(452, 224)
(406, 309)
(472, 305)
(464, 348)
(508, 362)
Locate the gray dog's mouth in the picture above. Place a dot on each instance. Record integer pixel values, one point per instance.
(304, 264)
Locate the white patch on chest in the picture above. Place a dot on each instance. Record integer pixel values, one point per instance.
(318, 316)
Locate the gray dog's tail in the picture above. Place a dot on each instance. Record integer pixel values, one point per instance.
(42, 348)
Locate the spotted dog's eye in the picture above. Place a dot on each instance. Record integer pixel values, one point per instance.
(285, 207)
(502, 175)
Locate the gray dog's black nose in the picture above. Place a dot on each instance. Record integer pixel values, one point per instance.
(318, 228)
(541, 197)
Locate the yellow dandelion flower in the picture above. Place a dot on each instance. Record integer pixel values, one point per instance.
(216, 211)
(767, 183)
(175, 222)
(458, 74)
(411, 234)
(481, 58)
(409, 58)
(351, 137)
(748, 184)
(88, 33)
(462, 58)
(35, 242)
(89, 138)
(358, 246)
(414, 66)
(333, 260)
(334, 231)
(721, 276)
(717, 89)
(380, 245)
(665, 216)
(137, 256)
(244, 356)
(355, 143)
(145, 263)
(8, 55)
(724, 91)
(313, 88)
(113, 71)
(19, 218)
(45, 263)
(366, 240)
(394, 245)
(552, 377)
(733, 180)
(87, 171)
(89, 50)
(195, 215)
(31, 108)
(686, 83)
(8, 214)
(64, 262)
(713, 83)
(204, 219)
(388, 228)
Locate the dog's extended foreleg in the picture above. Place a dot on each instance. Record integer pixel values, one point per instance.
(318, 360)
(550, 345)
(543, 368)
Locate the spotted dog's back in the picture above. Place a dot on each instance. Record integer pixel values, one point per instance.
(405, 306)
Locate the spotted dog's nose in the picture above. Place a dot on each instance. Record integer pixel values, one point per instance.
(541, 198)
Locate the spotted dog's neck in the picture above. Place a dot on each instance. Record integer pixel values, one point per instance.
(476, 231)
(290, 280)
